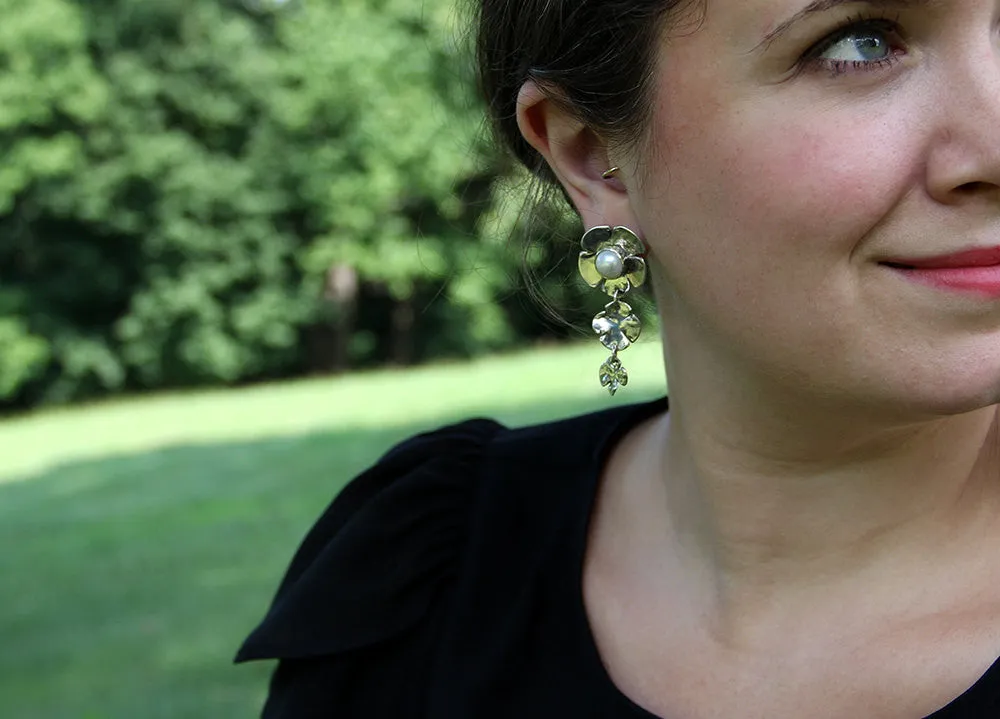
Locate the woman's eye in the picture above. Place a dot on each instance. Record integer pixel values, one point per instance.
(865, 45)
(860, 47)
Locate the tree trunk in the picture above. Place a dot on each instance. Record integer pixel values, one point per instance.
(341, 291)
(403, 320)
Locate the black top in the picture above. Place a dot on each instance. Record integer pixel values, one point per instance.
(446, 583)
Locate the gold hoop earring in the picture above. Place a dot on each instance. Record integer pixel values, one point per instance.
(613, 261)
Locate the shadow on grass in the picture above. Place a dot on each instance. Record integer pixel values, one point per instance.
(130, 581)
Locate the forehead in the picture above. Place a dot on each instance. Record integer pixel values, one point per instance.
(733, 22)
(766, 18)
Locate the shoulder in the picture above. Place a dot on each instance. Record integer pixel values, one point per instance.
(445, 520)
(375, 559)
(368, 567)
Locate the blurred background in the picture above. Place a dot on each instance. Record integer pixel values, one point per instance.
(245, 246)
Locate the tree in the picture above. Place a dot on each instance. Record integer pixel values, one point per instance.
(50, 91)
(215, 192)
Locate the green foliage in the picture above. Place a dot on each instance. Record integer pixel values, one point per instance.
(182, 181)
(23, 355)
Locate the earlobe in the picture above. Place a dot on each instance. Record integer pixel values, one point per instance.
(577, 156)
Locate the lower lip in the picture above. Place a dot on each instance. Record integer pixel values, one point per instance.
(981, 281)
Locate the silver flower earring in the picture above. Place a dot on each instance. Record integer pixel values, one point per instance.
(612, 261)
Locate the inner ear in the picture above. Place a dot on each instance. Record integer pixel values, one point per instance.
(577, 154)
(589, 155)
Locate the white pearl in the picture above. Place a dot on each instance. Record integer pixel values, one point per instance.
(610, 264)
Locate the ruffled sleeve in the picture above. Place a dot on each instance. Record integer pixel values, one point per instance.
(355, 617)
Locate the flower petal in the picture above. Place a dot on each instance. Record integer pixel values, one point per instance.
(615, 341)
(631, 327)
(628, 241)
(602, 325)
(588, 269)
(619, 286)
(618, 308)
(595, 238)
(635, 271)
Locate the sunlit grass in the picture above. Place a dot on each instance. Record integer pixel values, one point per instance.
(501, 386)
(143, 538)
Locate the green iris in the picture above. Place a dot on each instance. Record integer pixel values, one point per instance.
(872, 48)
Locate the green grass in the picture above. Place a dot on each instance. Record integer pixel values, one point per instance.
(142, 539)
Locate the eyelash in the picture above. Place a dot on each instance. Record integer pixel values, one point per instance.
(857, 25)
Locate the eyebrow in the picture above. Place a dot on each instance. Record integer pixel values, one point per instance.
(818, 6)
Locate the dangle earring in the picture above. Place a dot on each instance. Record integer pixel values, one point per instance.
(612, 261)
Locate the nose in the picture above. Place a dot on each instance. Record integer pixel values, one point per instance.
(964, 162)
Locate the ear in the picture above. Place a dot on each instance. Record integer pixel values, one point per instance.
(578, 157)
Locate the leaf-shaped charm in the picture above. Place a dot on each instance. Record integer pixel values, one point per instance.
(613, 375)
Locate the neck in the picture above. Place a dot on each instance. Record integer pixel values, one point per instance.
(773, 515)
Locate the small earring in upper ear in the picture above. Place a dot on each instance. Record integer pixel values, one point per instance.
(611, 173)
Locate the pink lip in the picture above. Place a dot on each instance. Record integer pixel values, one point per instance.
(984, 257)
(973, 271)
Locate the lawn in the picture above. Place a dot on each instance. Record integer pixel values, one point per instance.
(142, 539)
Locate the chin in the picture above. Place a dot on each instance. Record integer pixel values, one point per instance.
(908, 392)
(960, 392)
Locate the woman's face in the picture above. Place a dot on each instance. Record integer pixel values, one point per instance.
(799, 153)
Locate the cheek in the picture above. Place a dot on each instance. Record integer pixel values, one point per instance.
(762, 216)
(786, 182)
(823, 188)
(792, 193)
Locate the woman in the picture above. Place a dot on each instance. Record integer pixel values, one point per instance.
(812, 529)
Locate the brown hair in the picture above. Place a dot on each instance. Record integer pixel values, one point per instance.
(596, 56)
